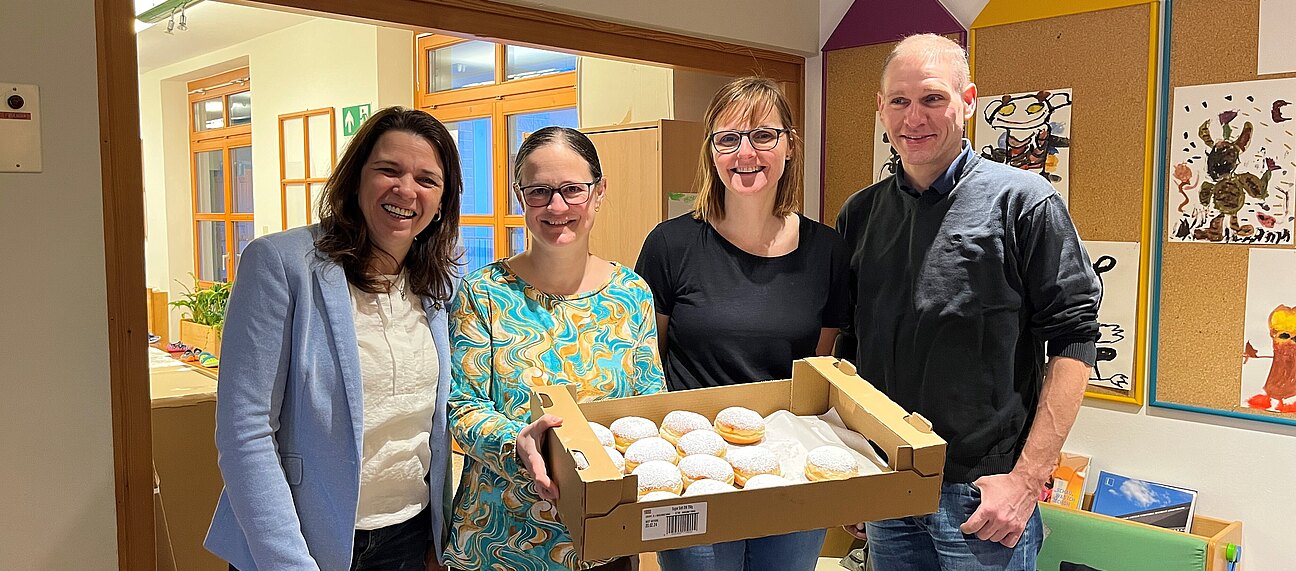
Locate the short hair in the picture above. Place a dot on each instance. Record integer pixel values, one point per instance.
(566, 136)
(933, 47)
(752, 97)
(344, 235)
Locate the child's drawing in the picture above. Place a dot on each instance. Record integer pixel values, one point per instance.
(1030, 131)
(1231, 165)
(1117, 266)
(1269, 353)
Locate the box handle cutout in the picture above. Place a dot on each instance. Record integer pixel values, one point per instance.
(545, 400)
(580, 459)
(918, 422)
(846, 367)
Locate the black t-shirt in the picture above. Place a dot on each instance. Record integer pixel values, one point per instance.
(736, 317)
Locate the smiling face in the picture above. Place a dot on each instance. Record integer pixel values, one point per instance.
(924, 113)
(748, 170)
(400, 190)
(559, 224)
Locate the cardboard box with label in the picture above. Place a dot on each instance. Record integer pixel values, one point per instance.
(599, 504)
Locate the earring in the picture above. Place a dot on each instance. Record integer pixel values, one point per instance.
(597, 208)
(436, 217)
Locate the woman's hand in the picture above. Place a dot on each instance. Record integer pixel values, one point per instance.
(529, 442)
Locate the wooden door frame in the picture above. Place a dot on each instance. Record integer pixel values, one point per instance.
(123, 196)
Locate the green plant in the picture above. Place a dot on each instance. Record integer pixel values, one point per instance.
(206, 306)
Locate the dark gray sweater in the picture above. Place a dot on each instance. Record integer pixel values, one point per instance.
(955, 296)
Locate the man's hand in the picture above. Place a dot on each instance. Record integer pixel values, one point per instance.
(1007, 503)
(529, 441)
(856, 530)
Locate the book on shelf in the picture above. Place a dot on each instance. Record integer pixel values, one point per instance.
(1143, 501)
(1068, 483)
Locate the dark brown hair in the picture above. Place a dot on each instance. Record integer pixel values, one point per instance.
(344, 236)
(571, 138)
(751, 97)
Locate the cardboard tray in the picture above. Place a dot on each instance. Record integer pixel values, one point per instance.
(599, 507)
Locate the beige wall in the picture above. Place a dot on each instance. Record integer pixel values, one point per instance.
(56, 486)
(615, 92)
(321, 63)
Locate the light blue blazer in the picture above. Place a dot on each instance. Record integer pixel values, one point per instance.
(289, 413)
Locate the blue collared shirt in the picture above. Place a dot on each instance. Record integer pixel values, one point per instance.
(946, 181)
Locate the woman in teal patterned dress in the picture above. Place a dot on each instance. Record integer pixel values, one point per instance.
(554, 314)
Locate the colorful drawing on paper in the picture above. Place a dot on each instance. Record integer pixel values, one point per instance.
(1232, 173)
(886, 161)
(1117, 266)
(1030, 131)
(1269, 353)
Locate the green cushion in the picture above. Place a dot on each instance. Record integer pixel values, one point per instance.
(1111, 545)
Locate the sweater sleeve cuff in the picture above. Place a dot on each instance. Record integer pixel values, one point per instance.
(1085, 351)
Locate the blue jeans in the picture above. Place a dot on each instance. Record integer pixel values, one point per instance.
(398, 547)
(933, 541)
(792, 552)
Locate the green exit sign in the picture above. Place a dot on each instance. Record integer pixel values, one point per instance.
(353, 117)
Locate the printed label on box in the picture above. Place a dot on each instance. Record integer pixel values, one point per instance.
(674, 521)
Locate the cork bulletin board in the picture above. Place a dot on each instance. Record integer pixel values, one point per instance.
(1198, 319)
(1106, 57)
(852, 78)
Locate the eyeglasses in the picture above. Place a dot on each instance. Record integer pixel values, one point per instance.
(761, 139)
(539, 195)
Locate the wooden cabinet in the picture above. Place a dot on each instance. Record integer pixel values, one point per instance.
(644, 163)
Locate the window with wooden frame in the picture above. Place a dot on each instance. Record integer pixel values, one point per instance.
(220, 148)
(307, 155)
(490, 96)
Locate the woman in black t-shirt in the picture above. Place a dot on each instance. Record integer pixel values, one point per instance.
(746, 285)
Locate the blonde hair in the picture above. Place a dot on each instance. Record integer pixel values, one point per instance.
(933, 47)
(754, 98)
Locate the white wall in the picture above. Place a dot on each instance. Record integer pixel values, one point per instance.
(56, 486)
(321, 63)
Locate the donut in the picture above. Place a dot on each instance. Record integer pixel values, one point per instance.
(751, 461)
(740, 425)
(680, 422)
(626, 430)
(604, 435)
(702, 487)
(766, 481)
(830, 463)
(654, 496)
(701, 442)
(658, 476)
(616, 457)
(705, 467)
(648, 449)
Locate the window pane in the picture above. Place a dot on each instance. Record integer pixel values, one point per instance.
(209, 114)
(473, 139)
(522, 62)
(294, 148)
(242, 235)
(241, 164)
(321, 146)
(211, 251)
(516, 240)
(240, 108)
(209, 176)
(295, 206)
(468, 64)
(523, 124)
(316, 189)
(479, 246)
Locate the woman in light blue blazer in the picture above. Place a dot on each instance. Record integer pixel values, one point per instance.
(330, 414)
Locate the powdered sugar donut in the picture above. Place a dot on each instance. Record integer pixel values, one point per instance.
(658, 476)
(626, 430)
(705, 467)
(617, 458)
(740, 425)
(830, 463)
(680, 422)
(702, 487)
(654, 496)
(701, 442)
(766, 481)
(750, 461)
(604, 435)
(648, 449)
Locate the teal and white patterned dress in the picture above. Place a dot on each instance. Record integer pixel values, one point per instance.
(507, 337)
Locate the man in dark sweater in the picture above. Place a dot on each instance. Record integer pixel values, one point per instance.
(966, 276)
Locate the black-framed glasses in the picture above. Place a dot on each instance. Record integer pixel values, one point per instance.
(539, 195)
(761, 138)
